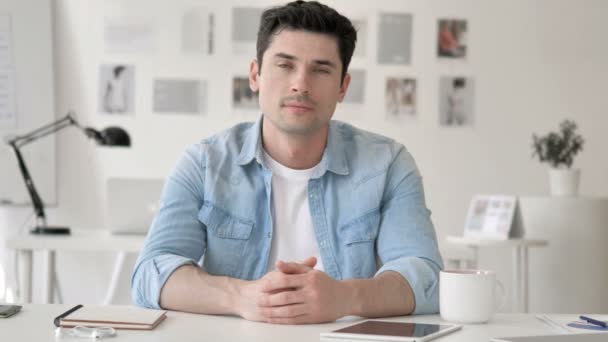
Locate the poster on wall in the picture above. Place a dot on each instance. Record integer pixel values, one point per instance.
(198, 31)
(361, 46)
(456, 95)
(116, 89)
(244, 100)
(452, 38)
(245, 24)
(395, 38)
(356, 90)
(179, 96)
(129, 35)
(400, 97)
(8, 108)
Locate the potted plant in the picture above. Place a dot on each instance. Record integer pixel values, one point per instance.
(559, 149)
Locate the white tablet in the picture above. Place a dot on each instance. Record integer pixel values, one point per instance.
(391, 331)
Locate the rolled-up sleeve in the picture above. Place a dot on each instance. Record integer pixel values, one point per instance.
(407, 242)
(176, 236)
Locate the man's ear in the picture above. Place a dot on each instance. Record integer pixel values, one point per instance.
(253, 76)
(344, 87)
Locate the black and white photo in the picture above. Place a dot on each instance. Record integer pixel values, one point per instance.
(116, 89)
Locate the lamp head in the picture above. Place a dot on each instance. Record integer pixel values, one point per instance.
(111, 136)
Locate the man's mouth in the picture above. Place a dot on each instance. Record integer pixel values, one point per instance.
(298, 105)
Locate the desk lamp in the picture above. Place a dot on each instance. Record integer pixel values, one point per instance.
(111, 136)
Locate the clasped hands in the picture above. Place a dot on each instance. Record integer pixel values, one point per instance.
(295, 293)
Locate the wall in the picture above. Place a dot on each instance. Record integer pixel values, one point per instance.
(534, 64)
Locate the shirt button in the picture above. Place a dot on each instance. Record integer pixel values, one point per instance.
(269, 235)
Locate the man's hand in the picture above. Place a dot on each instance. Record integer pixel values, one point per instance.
(295, 293)
(252, 291)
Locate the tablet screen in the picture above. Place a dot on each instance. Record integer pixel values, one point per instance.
(397, 329)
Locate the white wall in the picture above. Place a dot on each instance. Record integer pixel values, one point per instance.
(534, 63)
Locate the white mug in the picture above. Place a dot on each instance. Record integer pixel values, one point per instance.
(468, 296)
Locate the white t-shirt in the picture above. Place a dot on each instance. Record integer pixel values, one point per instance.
(293, 233)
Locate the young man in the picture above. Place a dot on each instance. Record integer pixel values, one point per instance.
(294, 218)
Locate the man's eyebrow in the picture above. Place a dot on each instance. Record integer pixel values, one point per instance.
(285, 56)
(316, 61)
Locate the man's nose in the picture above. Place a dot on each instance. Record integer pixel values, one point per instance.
(301, 82)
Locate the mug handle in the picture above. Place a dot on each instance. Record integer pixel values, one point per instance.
(503, 295)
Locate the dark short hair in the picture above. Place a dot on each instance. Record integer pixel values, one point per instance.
(459, 82)
(118, 70)
(308, 16)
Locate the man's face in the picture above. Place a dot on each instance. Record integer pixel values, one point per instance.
(299, 84)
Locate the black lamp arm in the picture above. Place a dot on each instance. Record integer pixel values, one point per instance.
(19, 141)
(43, 131)
(29, 184)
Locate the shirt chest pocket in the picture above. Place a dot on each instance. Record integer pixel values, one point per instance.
(361, 230)
(227, 238)
(358, 239)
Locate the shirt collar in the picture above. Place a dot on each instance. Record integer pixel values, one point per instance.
(334, 156)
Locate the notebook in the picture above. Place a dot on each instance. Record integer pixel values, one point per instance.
(117, 317)
(596, 337)
(131, 204)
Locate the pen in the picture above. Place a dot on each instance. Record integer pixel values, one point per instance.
(593, 321)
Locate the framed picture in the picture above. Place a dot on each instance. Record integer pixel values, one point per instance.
(452, 38)
(456, 101)
(492, 217)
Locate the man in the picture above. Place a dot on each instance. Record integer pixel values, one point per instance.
(294, 218)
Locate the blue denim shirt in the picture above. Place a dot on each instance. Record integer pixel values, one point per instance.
(366, 201)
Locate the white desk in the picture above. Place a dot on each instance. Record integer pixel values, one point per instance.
(520, 262)
(35, 323)
(90, 240)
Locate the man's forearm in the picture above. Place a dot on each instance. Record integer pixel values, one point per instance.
(191, 289)
(388, 294)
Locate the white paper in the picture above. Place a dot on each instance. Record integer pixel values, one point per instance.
(8, 108)
(180, 96)
(361, 46)
(356, 89)
(245, 25)
(566, 324)
(129, 35)
(197, 31)
(6, 48)
(395, 38)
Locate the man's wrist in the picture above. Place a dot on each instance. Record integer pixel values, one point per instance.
(236, 296)
(353, 305)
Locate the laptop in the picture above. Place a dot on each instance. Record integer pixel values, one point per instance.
(131, 204)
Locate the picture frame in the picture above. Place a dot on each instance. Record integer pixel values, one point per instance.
(493, 217)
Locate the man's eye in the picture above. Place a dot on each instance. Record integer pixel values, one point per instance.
(322, 71)
(284, 66)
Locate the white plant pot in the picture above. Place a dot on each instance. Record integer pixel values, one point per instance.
(564, 182)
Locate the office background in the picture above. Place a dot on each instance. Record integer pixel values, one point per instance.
(534, 64)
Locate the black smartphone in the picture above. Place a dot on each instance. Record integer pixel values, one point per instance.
(8, 310)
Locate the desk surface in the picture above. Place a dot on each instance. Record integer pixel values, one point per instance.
(35, 323)
(79, 240)
(475, 242)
